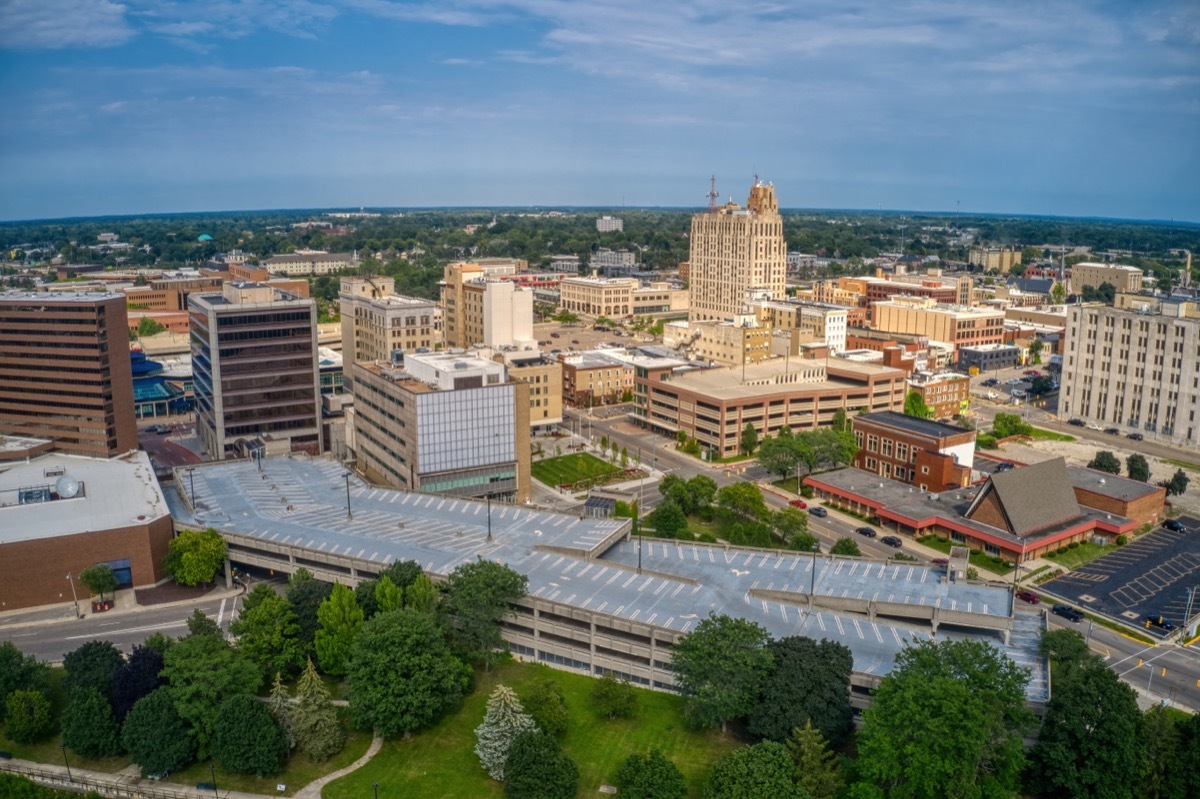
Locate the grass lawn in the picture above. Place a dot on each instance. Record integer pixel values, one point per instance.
(440, 763)
(49, 751)
(570, 468)
(1040, 434)
(980, 560)
(1084, 553)
(1184, 464)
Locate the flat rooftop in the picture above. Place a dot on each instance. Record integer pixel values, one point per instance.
(64, 296)
(120, 492)
(911, 424)
(728, 383)
(583, 563)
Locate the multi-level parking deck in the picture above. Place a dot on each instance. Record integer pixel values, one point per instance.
(595, 602)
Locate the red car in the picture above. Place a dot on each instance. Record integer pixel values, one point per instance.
(1033, 373)
(798, 503)
(1029, 597)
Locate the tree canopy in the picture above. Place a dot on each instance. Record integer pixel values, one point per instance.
(503, 722)
(20, 672)
(845, 546)
(312, 721)
(89, 726)
(721, 667)
(195, 556)
(1105, 461)
(754, 772)
(202, 671)
(137, 677)
(914, 405)
(155, 735)
(267, 631)
(1010, 424)
(93, 665)
(1137, 467)
(809, 681)
(340, 618)
(537, 768)
(650, 776)
(99, 579)
(247, 740)
(477, 596)
(305, 596)
(749, 439)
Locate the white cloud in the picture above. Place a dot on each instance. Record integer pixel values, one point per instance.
(62, 24)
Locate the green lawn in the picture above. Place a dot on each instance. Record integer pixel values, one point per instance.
(1040, 434)
(440, 763)
(49, 751)
(980, 560)
(570, 468)
(1084, 553)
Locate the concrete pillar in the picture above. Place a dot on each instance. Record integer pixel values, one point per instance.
(871, 610)
(228, 574)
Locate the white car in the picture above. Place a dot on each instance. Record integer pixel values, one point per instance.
(992, 395)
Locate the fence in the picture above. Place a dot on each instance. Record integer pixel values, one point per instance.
(111, 788)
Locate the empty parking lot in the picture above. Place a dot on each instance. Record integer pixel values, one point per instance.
(1147, 577)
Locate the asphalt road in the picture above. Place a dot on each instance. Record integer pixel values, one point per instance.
(49, 641)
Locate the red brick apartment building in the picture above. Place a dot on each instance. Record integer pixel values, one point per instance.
(929, 455)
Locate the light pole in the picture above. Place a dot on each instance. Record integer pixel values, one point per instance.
(489, 517)
(375, 785)
(1087, 640)
(346, 475)
(812, 578)
(63, 746)
(212, 770)
(191, 488)
(74, 596)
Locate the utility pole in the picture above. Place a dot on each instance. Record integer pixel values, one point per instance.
(349, 514)
(74, 600)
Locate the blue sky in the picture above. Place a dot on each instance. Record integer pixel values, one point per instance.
(1072, 108)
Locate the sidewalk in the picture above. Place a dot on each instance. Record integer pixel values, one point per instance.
(125, 603)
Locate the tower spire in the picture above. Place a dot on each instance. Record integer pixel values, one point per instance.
(712, 193)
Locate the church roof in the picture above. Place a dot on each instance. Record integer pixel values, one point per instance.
(1032, 498)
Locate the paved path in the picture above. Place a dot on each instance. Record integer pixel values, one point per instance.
(313, 789)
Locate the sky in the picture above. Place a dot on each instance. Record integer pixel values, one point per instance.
(1066, 108)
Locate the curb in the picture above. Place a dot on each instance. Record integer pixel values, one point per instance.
(226, 594)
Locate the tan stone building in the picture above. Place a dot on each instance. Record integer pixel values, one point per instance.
(994, 259)
(825, 322)
(598, 296)
(444, 423)
(544, 376)
(479, 308)
(729, 343)
(733, 251)
(1125, 279)
(376, 321)
(953, 325)
(310, 262)
(595, 377)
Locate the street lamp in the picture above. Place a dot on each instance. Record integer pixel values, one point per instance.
(212, 770)
(74, 596)
(192, 488)
(489, 517)
(63, 746)
(812, 578)
(346, 475)
(375, 785)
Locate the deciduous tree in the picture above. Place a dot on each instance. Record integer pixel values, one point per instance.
(156, 736)
(136, 678)
(88, 724)
(1137, 467)
(477, 596)
(791, 523)
(202, 672)
(402, 674)
(809, 681)
(537, 768)
(199, 624)
(195, 556)
(247, 740)
(548, 707)
(914, 405)
(613, 698)
(99, 579)
(421, 595)
(1010, 424)
(650, 776)
(305, 598)
(364, 594)
(1182, 780)
(749, 439)
(845, 546)
(742, 499)
(267, 631)
(27, 716)
(1105, 461)
(721, 667)
(754, 772)
(20, 672)
(340, 618)
(947, 721)
(503, 722)
(388, 596)
(92, 665)
(668, 520)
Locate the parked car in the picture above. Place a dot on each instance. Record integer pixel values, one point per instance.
(1004, 466)
(1015, 381)
(940, 561)
(554, 335)
(1033, 373)
(869, 532)
(1094, 427)
(1018, 393)
(798, 503)
(992, 395)
(1029, 596)
(1112, 431)
(990, 382)
(892, 541)
(1174, 525)
(1160, 622)
(1067, 612)
(1134, 436)
(1077, 423)
(818, 512)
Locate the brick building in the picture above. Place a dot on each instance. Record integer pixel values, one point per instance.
(927, 454)
(945, 393)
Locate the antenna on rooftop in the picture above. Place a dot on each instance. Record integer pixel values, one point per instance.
(712, 193)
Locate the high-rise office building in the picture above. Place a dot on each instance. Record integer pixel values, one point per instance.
(255, 368)
(1135, 368)
(735, 250)
(65, 372)
(376, 322)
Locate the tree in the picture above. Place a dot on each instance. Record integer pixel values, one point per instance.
(791, 523)
(805, 542)
(20, 672)
(650, 776)
(537, 768)
(364, 594)
(1010, 424)
(279, 703)
(1137, 467)
(388, 596)
(478, 595)
(613, 698)
(340, 618)
(195, 556)
(156, 736)
(314, 721)
(742, 499)
(27, 716)
(1065, 648)
(1035, 352)
(149, 327)
(1058, 293)
(306, 598)
(503, 722)
(99, 580)
(202, 672)
(88, 724)
(1105, 461)
(779, 454)
(402, 674)
(914, 405)
(1182, 779)
(247, 740)
(1177, 484)
(1091, 743)
(845, 546)
(159, 642)
(753, 772)
(674, 488)
(947, 721)
(749, 439)
(548, 707)
(92, 665)
(421, 595)
(267, 631)
(809, 682)
(841, 423)
(702, 489)
(199, 624)
(136, 678)
(817, 768)
(402, 573)
(1162, 746)
(721, 667)
(668, 520)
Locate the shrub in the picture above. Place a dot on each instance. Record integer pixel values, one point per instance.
(1122, 540)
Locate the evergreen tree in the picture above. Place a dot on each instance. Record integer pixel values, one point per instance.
(340, 618)
(314, 720)
(817, 769)
(504, 720)
(88, 724)
(280, 706)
